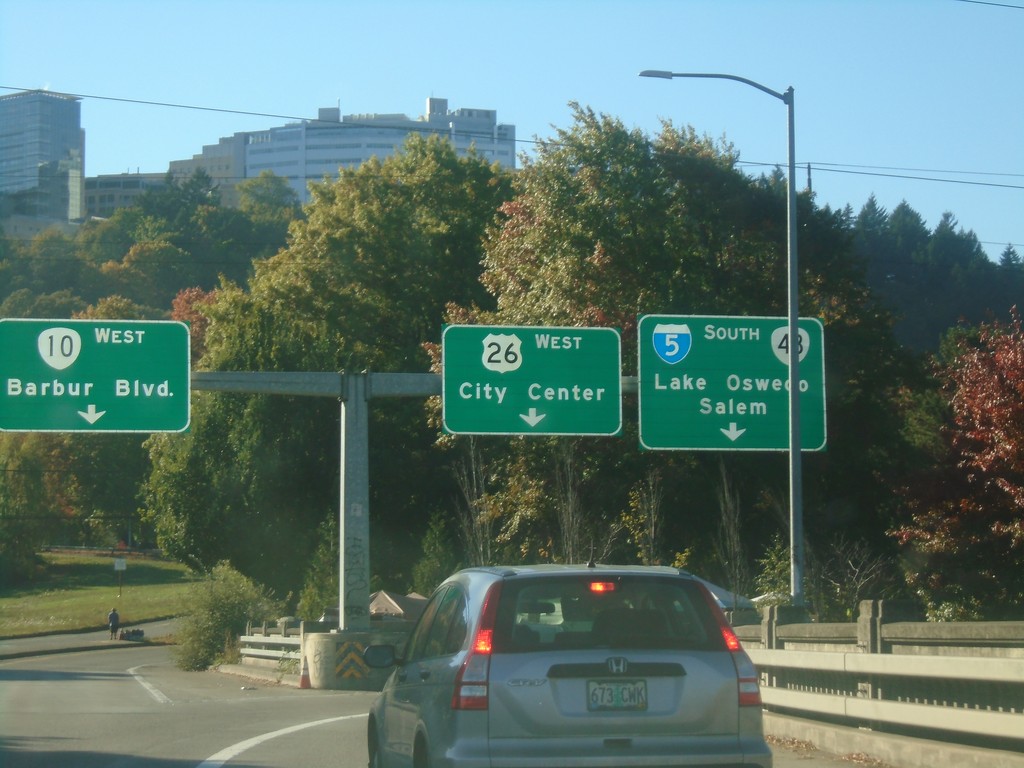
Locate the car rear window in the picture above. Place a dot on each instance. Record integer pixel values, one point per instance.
(601, 611)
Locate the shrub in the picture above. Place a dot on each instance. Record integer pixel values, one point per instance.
(219, 608)
(320, 588)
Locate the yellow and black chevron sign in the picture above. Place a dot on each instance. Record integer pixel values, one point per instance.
(349, 661)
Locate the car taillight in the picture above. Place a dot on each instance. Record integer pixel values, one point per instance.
(748, 688)
(484, 638)
(731, 641)
(471, 681)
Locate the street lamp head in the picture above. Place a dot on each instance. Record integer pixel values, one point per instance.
(786, 97)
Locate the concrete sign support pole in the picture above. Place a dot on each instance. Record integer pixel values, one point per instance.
(354, 390)
(354, 521)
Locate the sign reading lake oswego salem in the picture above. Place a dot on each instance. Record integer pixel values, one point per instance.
(722, 383)
(94, 376)
(504, 380)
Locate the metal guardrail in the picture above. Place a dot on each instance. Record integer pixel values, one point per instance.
(278, 648)
(870, 690)
(273, 643)
(960, 682)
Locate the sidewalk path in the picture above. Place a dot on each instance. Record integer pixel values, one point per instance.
(14, 647)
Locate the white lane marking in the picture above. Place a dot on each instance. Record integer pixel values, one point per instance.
(217, 760)
(150, 688)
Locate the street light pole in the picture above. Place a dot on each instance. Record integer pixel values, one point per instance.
(796, 525)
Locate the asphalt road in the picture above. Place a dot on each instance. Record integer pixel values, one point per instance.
(61, 703)
(132, 707)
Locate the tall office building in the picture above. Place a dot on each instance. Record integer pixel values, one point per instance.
(311, 150)
(42, 156)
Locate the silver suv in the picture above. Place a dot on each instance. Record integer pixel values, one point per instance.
(568, 666)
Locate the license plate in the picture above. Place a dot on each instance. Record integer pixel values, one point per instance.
(616, 695)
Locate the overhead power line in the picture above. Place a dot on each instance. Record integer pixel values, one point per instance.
(990, 2)
(878, 171)
(919, 170)
(850, 169)
(425, 128)
(919, 178)
(866, 170)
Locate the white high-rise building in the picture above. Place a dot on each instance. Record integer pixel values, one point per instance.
(311, 150)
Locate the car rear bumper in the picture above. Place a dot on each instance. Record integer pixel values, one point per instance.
(619, 752)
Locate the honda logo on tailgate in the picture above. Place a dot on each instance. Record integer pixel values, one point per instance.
(617, 665)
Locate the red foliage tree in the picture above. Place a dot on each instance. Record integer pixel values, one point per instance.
(965, 536)
(187, 307)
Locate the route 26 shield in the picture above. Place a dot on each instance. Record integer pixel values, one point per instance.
(672, 342)
(503, 352)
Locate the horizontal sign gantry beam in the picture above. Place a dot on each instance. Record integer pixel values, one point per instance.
(300, 384)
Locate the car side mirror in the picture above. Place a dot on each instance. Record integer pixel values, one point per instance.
(380, 656)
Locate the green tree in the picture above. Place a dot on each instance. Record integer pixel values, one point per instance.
(131, 266)
(101, 474)
(931, 280)
(1009, 258)
(772, 580)
(271, 205)
(362, 285)
(177, 200)
(440, 556)
(28, 512)
(607, 225)
(179, 236)
(910, 233)
(103, 244)
(25, 303)
(876, 244)
(321, 587)
(52, 262)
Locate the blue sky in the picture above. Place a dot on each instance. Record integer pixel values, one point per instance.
(890, 94)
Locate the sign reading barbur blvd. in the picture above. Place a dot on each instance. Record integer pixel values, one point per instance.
(722, 383)
(504, 380)
(94, 376)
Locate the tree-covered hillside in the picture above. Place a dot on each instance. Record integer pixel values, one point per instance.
(603, 225)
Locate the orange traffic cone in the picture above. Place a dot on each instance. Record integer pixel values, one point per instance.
(304, 677)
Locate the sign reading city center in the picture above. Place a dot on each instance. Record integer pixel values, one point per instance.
(722, 383)
(504, 380)
(94, 376)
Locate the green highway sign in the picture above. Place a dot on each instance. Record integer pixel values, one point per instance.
(94, 376)
(503, 380)
(722, 383)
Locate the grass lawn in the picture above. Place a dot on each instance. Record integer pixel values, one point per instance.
(74, 592)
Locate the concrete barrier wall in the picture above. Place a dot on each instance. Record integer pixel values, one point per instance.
(321, 656)
(335, 659)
